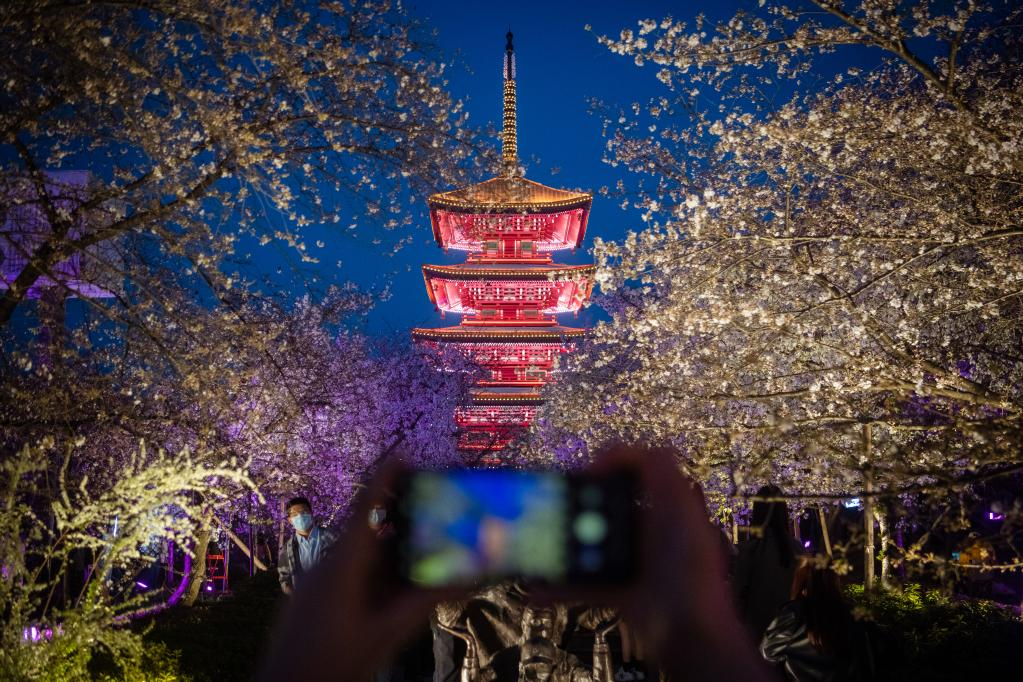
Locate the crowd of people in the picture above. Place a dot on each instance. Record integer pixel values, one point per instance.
(782, 615)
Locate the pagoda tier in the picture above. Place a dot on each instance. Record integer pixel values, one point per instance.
(497, 293)
(517, 364)
(509, 361)
(490, 428)
(510, 217)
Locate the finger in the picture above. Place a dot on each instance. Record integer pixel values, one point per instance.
(610, 461)
(359, 539)
(391, 593)
(657, 467)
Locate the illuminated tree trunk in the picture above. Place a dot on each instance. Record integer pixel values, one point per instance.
(247, 549)
(884, 530)
(202, 543)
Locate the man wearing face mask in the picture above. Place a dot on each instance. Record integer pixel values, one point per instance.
(305, 548)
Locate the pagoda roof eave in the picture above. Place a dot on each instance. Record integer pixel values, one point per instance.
(484, 335)
(492, 399)
(499, 272)
(509, 195)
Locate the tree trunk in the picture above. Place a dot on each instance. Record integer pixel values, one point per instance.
(281, 527)
(900, 543)
(252, 539)
(824, 530)
(52, 332)
(198, 573)
(886, 542)
(246, 549)
(868, 514)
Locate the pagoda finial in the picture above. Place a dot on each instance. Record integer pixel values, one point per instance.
(509, 136)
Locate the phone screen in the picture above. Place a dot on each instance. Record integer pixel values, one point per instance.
(466, 526)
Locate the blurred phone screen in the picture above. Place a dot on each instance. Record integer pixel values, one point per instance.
(466, 526)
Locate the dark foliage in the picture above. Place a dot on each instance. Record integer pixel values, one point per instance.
(925, 635)
(222, 640)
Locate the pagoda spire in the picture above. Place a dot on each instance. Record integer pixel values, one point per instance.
(509, 135)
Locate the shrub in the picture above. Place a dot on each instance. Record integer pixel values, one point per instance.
(929, 636)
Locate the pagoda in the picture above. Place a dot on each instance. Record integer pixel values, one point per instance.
(509, 291)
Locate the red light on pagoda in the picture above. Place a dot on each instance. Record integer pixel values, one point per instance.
(509, 291)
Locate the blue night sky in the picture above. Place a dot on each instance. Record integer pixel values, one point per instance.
(560, 68)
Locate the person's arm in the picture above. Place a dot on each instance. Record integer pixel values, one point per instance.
(328, 538)
(743, 576)
(779, 636)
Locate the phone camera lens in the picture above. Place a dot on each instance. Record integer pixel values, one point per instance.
(590, 528)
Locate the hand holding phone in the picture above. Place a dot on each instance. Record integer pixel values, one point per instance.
(346, 621)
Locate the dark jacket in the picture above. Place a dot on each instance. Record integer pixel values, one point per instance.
(787, 643)
(289, 570)
(762, 582)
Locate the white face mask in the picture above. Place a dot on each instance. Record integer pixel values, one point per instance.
(303, 522)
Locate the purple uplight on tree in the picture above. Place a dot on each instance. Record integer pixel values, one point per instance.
(35, 211)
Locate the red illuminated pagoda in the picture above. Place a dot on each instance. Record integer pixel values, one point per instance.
(508, 291)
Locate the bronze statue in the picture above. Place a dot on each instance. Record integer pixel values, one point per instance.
(506, 636)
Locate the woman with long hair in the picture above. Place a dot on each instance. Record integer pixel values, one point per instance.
(766, 562)
(814, 637)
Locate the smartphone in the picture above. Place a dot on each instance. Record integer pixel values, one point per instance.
(466, 527)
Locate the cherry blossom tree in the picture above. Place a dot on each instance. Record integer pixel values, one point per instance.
(54, 623)
(211, 128)
(208, 130)
(287, 395)
(827, 291)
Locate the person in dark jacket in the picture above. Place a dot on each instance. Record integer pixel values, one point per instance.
(766, 562)
(305, 548)
(814, 637)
